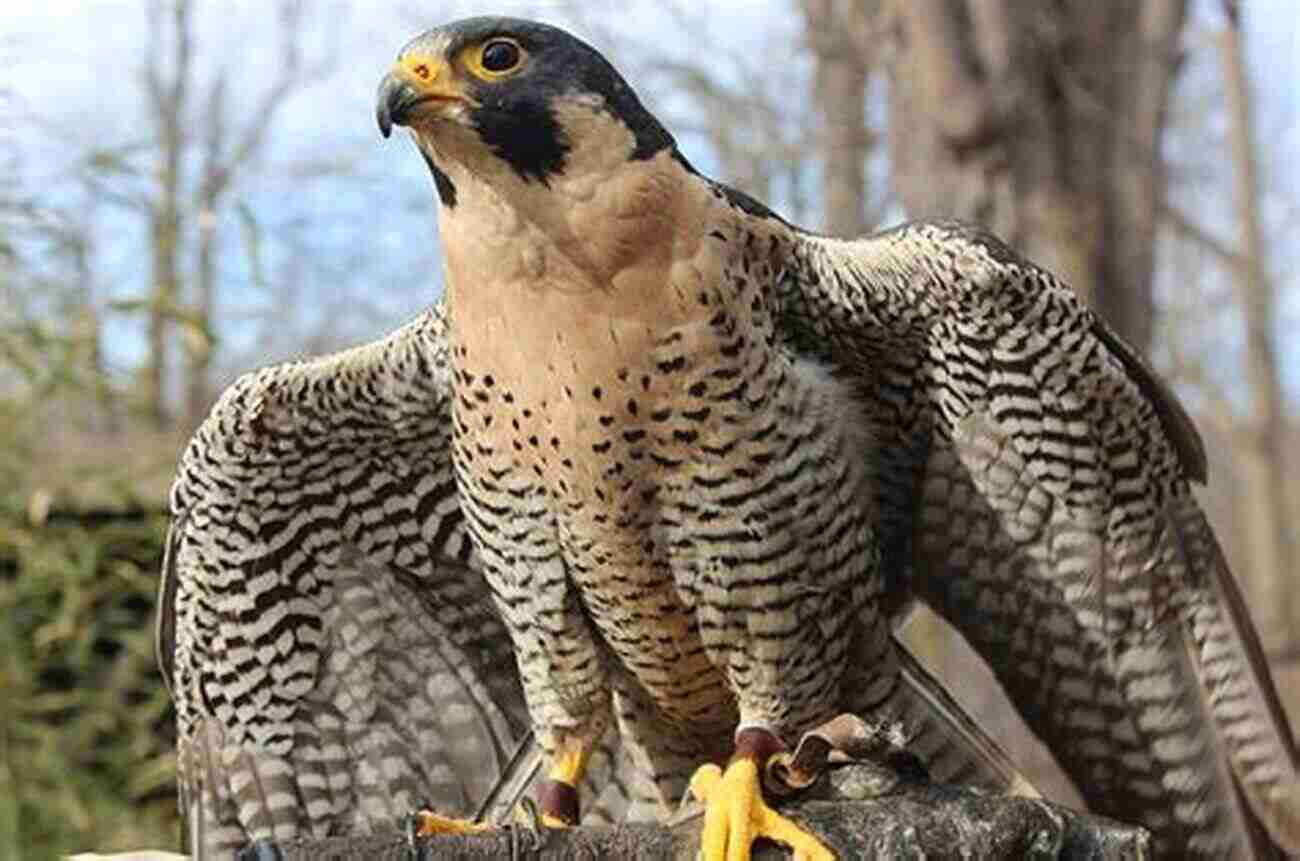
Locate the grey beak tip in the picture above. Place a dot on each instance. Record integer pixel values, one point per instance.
(394, 103)
(387, 91)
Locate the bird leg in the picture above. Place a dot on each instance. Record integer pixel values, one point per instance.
(557, 796)
(735, 813)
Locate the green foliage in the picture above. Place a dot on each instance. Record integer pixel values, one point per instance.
(86, 727)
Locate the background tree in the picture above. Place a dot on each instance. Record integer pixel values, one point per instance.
(839, 38)
(1271, 552)
(168, 82)
(1043, 122)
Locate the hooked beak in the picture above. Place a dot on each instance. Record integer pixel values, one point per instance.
(416, 80)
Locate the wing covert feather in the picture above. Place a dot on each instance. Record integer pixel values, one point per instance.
(1036, 492)
(335, 658)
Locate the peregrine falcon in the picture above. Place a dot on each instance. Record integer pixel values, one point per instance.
(664, 468)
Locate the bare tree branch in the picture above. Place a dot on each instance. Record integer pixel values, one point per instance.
(264, 113)
(1185, 226)
(221, 166)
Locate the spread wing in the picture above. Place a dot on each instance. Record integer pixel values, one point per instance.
(335, 659)
(1035, 490)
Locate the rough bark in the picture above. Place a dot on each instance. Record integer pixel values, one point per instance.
(913, 819)
(1268, 539)
(1043, 122)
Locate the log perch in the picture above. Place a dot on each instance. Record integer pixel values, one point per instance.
(849, 811)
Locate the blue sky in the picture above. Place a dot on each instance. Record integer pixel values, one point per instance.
(72, 69)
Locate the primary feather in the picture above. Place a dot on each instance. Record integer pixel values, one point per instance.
(1041, 500)
(333, 657)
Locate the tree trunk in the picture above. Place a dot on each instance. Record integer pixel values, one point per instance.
(1043, 123)
(198, 344)
(99, 414)
(841, 67)
(168, 99)
(165, 227)
(1268, 540)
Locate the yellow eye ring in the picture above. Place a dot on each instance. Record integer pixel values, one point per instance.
(495, 58)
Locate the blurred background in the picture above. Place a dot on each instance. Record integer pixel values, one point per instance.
(192, 189)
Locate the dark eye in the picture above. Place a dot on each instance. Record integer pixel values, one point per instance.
(500, 55)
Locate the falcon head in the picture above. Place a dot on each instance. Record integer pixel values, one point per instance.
(503, 98)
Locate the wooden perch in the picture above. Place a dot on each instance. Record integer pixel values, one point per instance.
(848, 811)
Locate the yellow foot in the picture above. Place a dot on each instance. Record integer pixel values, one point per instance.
(735, 815)
(428, 823)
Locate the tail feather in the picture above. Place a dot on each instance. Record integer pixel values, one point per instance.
(1233, 671)
(520, 774)
(960, 749)
(612, 791)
